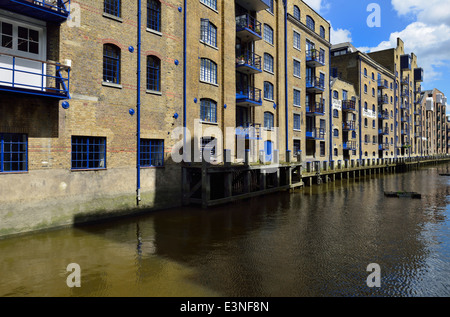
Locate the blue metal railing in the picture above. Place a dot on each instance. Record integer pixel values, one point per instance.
(383, 146)
(349, 145)
(349, 105)
(315, 108)
(349, 126)
(384, 115)
(383, 100)
(248, 94)
(248, 22)
(383, 83)
(249, 130)
(315, 56)
(315, 133)
(249, 59)
(384, 131)
(40, 82)
(61, 6)
(315, 82)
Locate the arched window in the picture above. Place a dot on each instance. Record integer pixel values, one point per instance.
(268, 62)
(268, 120)
(208, 110)
(322, 32)
(296, 12)
(335, 113)
(365, 106)
(268, 34)
(210, 3)
(268, 90)
(373, 108)
(365, 89)
(336, 133)
(335, 94)
(310, 24)
(154, 15)
(365, 122)
(373, 91)
(353, 135)
(208, 32)
(153, 73)
(208, 71)
(365, 72)
(270, 9)
(111, 64)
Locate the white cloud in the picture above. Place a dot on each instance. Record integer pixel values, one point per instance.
(430, 11)
(340, 36)
(314, 4)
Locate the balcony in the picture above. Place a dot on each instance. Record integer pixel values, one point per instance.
(248, 63)
(405, 131)
(248, 28)
(315, 84)
(404, 94)
(248, 96)
(315, 109)
(34, 77)
(383, 115)
(349, 145)
(418, 74)
(417, 135)
(315, 58)
(384, 131)
(405, 62)
(405, 119)
(383, 147)
(405, 81)
(254, 5)
(383, 100)
(45, 10)
(249, 131)
(349, 126)
(404, 106)
(349, 105)
(315, 134)
(383, 84)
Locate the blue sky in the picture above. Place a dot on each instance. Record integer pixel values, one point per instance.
(424, 26)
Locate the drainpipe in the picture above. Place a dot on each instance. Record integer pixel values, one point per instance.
(360, 110)
(286, 99)
(330, 101)
(138, 107)
(184, 81)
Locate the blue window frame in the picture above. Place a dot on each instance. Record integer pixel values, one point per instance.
(297, 122)
(296, 12)
(335, 94)
(152, 152)
(208, 32)
(88, 152)
(154, 15)
(13, 152)
(268, 120)
(153, 73)
(335, 113)
(208, 71)
(297, 68)
(112, 7)
(297, 40)
(268, 62)
(111, 64)
(208, 110)
(210, 3)
(310, 24)
(268, 34)
(297, 98)
(336, 133)
(322, 32)
(268, 90)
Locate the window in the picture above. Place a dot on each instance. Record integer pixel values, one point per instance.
(373, 124)
(335, 94)
(335, 113)
(6, 33)
(365, 122)
(374, 140)
(297, 122)
(208, 32)
(152, 153)
(270, 3)
(296, 13)
(365, 89)
(153, 73)
(310, 24)
(112, 7)
(268, 34)
(353, 135)
(373, 92)
(297, 42)
(322, 32)
(154, 15)
(373, 76)
(336, 133)
(297, 68)
(208, 71)
(322, 148)
(344, 94)
(208, 146)
(208, 110)
(13, 152)
(88, 152)
(28, 40)
(297, 147)
(297, 98)
(268, 62)
(365, 106)
(268, 120)
(268, 90)
(111, 64)
(210, 3)
(365, 72)
(335, 152)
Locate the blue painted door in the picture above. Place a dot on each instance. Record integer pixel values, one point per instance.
(268, 149)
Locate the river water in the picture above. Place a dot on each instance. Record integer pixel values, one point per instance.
(317, 241)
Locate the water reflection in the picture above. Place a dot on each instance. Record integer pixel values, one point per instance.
(315, 242)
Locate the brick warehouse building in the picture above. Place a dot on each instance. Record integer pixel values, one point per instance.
(85, 92)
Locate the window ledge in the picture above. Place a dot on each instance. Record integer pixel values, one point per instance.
(154, 32)
(209, 45)
(297, 130)
(153, 92)
(16, 172)
(269, 72)
(118, 86)
(112, 17)
(88, 169)
(208, 83)
(208, 122)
